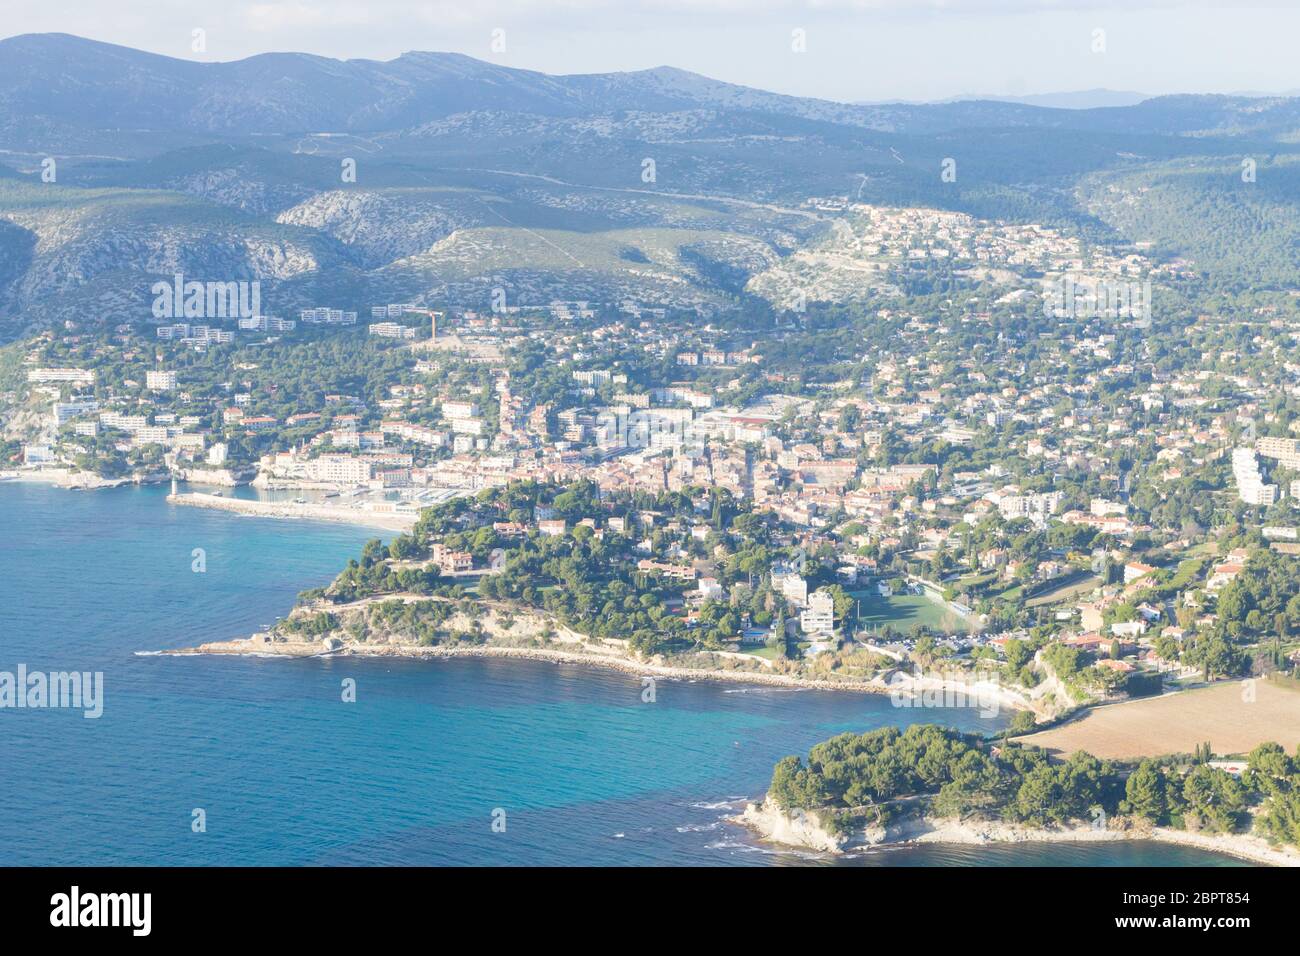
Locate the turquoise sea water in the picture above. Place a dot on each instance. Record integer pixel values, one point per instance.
(414, 772)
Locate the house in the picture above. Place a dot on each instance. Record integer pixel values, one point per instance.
(1234, 767)
(1090, 641)
(1134, 570)
(710, 589)
(450, 561)
(1119, 667)
(1221, 575)
(552, 527)
(1129, 629)
(680, 572)
(1149, 613)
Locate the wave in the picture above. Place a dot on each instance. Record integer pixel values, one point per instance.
(699, 827)
(767, 690)
(726, 804)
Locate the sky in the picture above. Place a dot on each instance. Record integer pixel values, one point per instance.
(852, 50)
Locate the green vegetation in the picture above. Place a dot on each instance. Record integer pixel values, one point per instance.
(927, 768)
(958, 774)
(1262, 600)
(588, 582)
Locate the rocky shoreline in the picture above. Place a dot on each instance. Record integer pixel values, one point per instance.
(67, 479)
(803, 829)
(908, 691)
(259, 645)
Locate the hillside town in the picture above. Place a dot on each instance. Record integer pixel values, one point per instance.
(967, 472)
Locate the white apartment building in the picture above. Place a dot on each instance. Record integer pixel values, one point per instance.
(340, 469)
(1032, 506)
(451, 409)
(324, 316)
(793, 587)
(1286, 450)
(1251, 487)
(149, 435)
(77, 376)
(160, 381)
(466, 426)
(267, 323)
(64, 412)
(126, 423)
(819, 616)
(391, 330)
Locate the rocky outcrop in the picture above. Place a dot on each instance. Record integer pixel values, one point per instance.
(803, 828)
(791, 827)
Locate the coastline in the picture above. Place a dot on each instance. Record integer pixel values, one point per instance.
(67, 479)
(805, 830)
(908, 690)
(256, 646)
(512, 632)
(527, 634)
(314, 511)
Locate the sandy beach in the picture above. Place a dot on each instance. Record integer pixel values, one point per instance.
(313, 510)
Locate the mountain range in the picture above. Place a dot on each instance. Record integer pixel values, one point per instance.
(437, 177)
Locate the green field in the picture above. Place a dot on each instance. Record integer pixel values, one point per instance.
(905, 611)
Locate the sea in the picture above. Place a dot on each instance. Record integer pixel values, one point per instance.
(255, 761)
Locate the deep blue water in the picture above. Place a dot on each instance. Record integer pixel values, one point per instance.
(412, 772)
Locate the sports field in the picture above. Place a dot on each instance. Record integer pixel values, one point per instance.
(905, 611)
(1223, 714)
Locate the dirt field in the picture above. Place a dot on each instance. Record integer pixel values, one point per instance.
(1178, 722)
